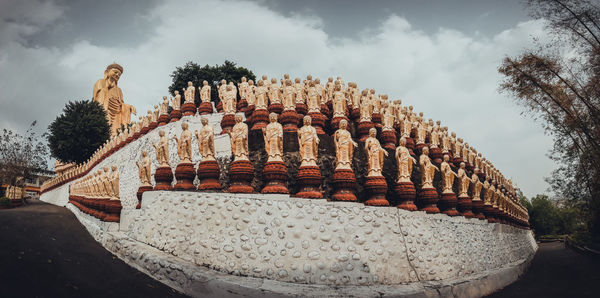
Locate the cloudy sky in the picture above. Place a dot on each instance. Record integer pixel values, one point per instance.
(439, 56)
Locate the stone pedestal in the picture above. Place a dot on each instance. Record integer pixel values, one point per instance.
(326, 111)
(410, 145)
(188, 109)
(407, 194)
(241, 174)
(276, 108)
(185, 174)
(208, 173)
(275, 175)
(363, 129)
(309, 180)
(175, 115)
(419, 148)
(427, 200)
(260, 119)
(376, 188)
(302, 110)
(163, 177)
(143, 131)
(163, 119)
(113, 211)
(388, 139)
(488, 211)
(140, 192)
(318, 122)
(136, 136)
(436, 155)
(376, 118)
(344, 184)
(448, 203)
(248, 113)
(289, 120)
(220, 106)
(241, 105)
(355, 114)
(335, 123)
(477, 207)
(464, 206)
(205, 108)
(456, 161)
(152, 126)
(227, 123)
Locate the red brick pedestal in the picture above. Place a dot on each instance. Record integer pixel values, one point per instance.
(205, 108)
(152, 126)
(140, 192)
(477, 206)
(335, 123)
(289, 120)
(406, 193)
(113, 211)
(488, 210)
(175, 115)
(260, 118)
(227, 123)
(163, 119)
(436, 155)
(448, 203)
(344, 183)
(302, 110)
(208, 173)
(188, 109)
(276, 108)
(309, 179)
(464, 206)
(427, 199)
(388, 139)
(241, 105)
(376, 188)
(241, 174)
(185, 174)
(363, 129)
(163, 177)
(318, 121)
(275, 174)
(220, 106)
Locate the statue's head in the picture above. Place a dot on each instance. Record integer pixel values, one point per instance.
(114, 168)
(273, 117)
(309, 77)
(156, 107)
(223, 82)
(161, 133)
(113, 72)
(251, 82)
(373, 132)
(343, 124)
(190, 84)
(238, 117)
(228, 88)
(164, 98)
(446, 157)
(453, 134)
(317, 81)
(373, 91)
(297, 80)
(330, 79)
(307, 120)
(184, 125)
(144, 153)
(288, 82)
(204, 120)
(205, 83)
(260, 83)
(338, 87)
(286, 76)
(243, 79)
(467, 145)
(264, 77)
(462, 164)
(402, 141)
(176, 92)
(106, 169)
(426, 151)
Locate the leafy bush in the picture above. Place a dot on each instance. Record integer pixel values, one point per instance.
(4, 201)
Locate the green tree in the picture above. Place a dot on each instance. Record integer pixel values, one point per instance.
(544, 216)
(78, 131)
(193, 72)
(564, 93)
(21, 156)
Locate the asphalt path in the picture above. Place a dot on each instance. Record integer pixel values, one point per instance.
(46, 252)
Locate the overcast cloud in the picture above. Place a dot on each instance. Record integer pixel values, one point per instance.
(447, 74)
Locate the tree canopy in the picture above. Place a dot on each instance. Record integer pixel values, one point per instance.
(558, 83)
(193, 72)
(21, 156)
(78, 131)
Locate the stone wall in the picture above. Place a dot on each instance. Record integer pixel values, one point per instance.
(58, 196)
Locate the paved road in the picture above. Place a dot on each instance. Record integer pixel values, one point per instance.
(46, 252)
(557, 271)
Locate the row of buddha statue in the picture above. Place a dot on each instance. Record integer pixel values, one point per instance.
(97, 194)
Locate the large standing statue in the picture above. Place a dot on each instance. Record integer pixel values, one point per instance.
(273, 135)
(205, 92)
(427, 169)
(206, 141)
(344, 146)
(375, 153)
(189, 93)
(464, 181)
(162, 150)
(448, 176)
(404, 161)
(309, 143)
(239, 139)
(110, 97)
(184, 144)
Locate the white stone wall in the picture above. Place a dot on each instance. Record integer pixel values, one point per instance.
(127, 156)
(58, 196)
(319, 242)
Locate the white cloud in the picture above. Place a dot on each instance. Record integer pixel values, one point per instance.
(449, 76)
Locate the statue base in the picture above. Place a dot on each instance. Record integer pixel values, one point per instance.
(136, 136)
(275, 174)
(309, 179)
(205, 108)
(276, 108)
(388, 139)
(260, 119)
(376, 187)
(355, 114)
(427, 199)
(152, 126)
(335, 123)
(163, 177)
(241, 105)
(289, 120)
(407, 194)
(227, 123)
(113, 211)
(363, 129)
(477, 207)
(420, 147)
(188, 109)
(376, 118)
(248, 113)
(208, 173)
(241, 174)
(301, 109)
(163, 119)
(410, 145)
(185, 174)
(220, 106)
(488, 211)
(318, 121)
(456, 161)
(325, 111)
(143, 131)
(464, 206)
(140, 192)
(175, 115)
(344, 183)
(448, 203)
(435, 153)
